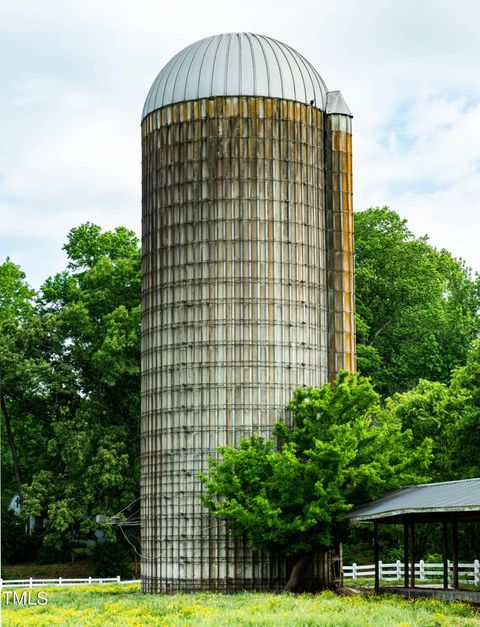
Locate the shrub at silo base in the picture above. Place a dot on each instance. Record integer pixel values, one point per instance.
(111, 559)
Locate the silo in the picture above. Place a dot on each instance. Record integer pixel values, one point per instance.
(247, 282)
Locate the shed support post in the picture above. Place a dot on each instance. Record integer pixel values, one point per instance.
(376, 555)
(405, 552)
(455, 554)
(445, 555)
(413, 555)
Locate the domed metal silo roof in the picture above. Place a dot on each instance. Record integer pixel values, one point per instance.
(236, 64)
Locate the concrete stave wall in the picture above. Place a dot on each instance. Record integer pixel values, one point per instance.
(340, 245)
(235, 312)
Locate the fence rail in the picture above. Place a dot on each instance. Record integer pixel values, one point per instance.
(61, 581)
(424, 571)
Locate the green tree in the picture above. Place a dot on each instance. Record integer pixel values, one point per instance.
(426, 411)
(417, 307)
(18, 370)
(15, 293)
(290, 497)
(72, 381)
(464, 428)
(448, 414)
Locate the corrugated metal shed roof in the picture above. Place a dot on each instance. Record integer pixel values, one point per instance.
(236, 64)
(450, 496)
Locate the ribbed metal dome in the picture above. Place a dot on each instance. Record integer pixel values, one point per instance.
(236, 64)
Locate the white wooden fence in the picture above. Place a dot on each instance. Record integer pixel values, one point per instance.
(424, 571)
(61, 581)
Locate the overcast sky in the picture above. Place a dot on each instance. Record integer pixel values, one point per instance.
(75, 73)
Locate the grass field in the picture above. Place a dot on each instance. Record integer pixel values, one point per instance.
(124, 606)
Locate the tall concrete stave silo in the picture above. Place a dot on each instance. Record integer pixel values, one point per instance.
(247, 282)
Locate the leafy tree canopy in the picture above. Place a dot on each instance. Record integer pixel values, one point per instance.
(70, 385)
(450, 416)
(15, 293)
(340, 450)
(465, 406)
(417, 307)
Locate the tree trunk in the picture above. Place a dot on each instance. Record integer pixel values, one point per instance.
(295, 580)
(11, 444)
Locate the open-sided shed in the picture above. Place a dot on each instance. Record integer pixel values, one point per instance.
(449, 503)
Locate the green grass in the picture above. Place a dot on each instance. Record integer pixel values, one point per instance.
(124, 606)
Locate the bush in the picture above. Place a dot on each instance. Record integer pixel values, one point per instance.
(48, 554)
(392, 555)
(111, 559)
(81, 553)
(17, 545)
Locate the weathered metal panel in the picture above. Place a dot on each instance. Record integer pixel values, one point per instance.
(336, 104)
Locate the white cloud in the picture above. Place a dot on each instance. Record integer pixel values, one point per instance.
(75, 75)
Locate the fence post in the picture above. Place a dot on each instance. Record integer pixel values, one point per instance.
(422, 570)
(31, 582)
(118, 578)
(59, 581)
(380, 574)
(399, 569)
(90, 580)
(354, 570)
(476, 572)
